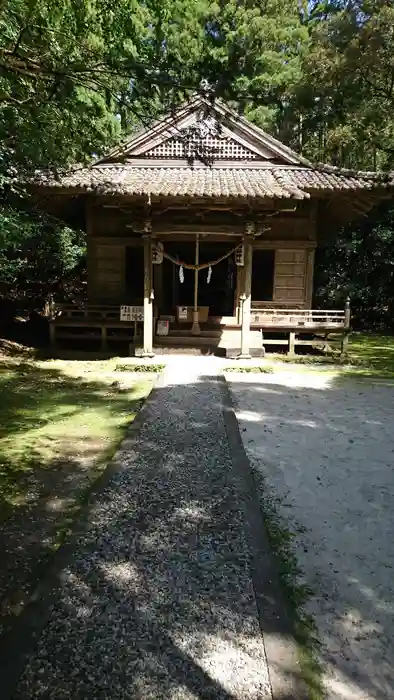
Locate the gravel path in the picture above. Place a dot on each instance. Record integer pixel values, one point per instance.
(326, 448)
(158, 600)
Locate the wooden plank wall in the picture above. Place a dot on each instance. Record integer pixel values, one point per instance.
(293, 240)
(290, 276)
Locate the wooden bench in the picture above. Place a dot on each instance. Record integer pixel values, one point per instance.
(91, 322)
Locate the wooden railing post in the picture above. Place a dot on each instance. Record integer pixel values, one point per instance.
(345, 339)
(347, 313)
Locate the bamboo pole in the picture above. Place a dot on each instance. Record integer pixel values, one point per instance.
(148, 300)
(196, 330)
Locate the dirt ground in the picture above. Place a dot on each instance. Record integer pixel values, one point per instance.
(323, 447)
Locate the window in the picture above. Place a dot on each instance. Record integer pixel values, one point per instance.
(263, 270)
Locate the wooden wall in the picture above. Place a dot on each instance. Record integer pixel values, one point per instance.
(293, 237)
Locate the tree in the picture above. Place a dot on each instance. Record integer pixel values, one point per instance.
(346, 98)
(359, 261)
(252, 53)
(75, 75)
(36, 253)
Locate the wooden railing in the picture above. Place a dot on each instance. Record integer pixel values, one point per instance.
(301, 318)
(88, 312)
(91, 322)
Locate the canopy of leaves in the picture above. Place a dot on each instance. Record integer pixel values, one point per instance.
(346, 98)
(76, 77)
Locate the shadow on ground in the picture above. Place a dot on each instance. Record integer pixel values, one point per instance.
(325, 455)
(156, 599)
(52, 448)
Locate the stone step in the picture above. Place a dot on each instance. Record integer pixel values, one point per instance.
(185, 340)
(225, 339)
(181, 333)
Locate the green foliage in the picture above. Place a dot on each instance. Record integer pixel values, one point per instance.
(346, 96)
(75, 77)
(253, 55)
(359, 262)
(35, 253)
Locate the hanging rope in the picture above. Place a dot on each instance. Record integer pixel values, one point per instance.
(209, 275)
(202, 266)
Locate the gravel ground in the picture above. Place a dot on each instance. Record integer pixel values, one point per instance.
(325, 448)
(158, 600)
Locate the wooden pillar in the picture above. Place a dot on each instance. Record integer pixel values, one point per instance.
(196, 326)
(147, 350)
(246, 300)
(158, 286)
(347, 313)
(345, 337)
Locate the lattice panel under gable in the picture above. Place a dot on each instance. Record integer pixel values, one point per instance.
(206, 147)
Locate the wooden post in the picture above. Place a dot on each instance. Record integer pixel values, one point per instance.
(196, 326)
(347, 313)
(345, 337)
(147, 350)
(246, 301)
(291, 351)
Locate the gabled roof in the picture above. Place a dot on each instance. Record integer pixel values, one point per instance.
(208, 151)
(202, 132)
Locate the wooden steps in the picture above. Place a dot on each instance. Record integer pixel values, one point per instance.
(213, 339)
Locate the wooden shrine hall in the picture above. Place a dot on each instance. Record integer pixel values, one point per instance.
(201, 233)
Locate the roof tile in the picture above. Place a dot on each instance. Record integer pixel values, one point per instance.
(263, 182)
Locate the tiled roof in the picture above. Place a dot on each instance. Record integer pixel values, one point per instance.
(262, 183)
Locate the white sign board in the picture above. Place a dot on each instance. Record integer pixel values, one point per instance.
(163, 327)
(131, 313)
(182, 313)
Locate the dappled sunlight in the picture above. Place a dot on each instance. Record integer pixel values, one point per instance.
(192, 511)
(123, 573)
(234, 661)
(57, 504)
(324, 453)
(251, 416)
(57, 433)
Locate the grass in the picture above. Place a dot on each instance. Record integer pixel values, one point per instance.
(121, 367)
(60, 421)
(369, 355)
(246, 369)
(60, 424)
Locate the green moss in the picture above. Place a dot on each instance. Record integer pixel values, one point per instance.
(259, 369)
(139, 368)
(56, 419)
